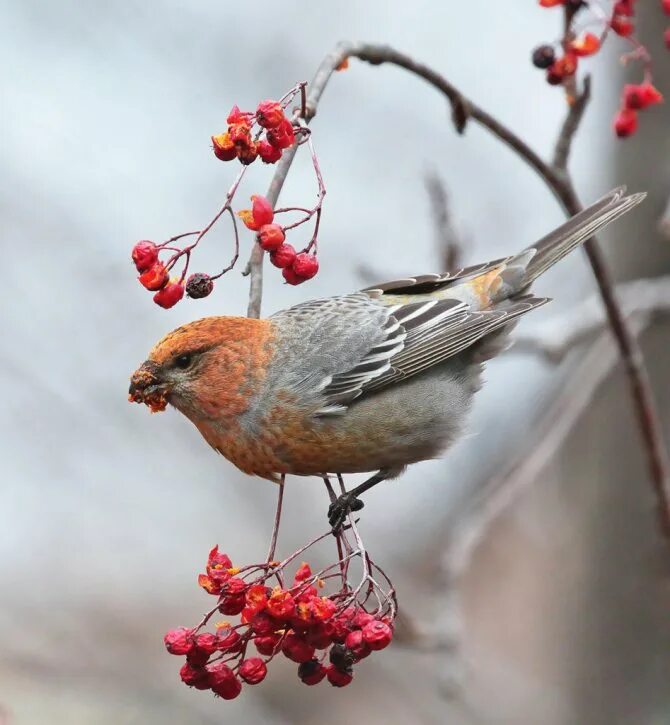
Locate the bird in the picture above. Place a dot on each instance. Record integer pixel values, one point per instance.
(365, 382)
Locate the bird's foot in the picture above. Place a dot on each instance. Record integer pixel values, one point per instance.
(341, 508)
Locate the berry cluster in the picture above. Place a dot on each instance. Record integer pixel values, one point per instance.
(155, 276)
(243, 141)
(296, 267)
(240, 142)
(324, 635)
(633, 99)
(561, 60)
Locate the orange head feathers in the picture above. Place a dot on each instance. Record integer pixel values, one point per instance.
(207, 369)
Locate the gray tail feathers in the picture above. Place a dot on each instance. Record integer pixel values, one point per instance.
(550, 249)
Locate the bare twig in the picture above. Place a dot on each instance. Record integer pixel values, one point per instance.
(255, 265)
(642, 299)
(546, 437)
(448, 243)
(275, 529)
(570, 126)
(560, 184)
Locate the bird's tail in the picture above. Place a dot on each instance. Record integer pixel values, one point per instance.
(542, 255)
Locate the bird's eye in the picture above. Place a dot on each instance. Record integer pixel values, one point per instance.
(183, 361)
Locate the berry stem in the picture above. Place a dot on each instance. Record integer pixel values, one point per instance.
(275, 528)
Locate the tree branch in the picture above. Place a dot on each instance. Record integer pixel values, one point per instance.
(560, 184)
(570, 126)
(640, 300)
(448, 243)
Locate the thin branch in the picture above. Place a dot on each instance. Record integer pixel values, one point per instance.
(570, 126)
(448, 243)
(275, 530)
(255, 265)
(560, 184)
(546, 436)
(641, 299)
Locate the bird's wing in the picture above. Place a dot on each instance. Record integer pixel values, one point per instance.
(344, 347)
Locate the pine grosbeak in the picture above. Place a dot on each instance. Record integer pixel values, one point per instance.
(368, 381)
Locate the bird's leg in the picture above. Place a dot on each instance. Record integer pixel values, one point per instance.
(331, 492)
(348, 502)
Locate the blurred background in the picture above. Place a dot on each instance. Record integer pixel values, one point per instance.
(544, 601)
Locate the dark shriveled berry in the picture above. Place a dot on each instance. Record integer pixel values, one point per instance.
(342, 658)
(199, 285)
(543, 56)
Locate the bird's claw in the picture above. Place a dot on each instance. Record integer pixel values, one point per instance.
(341, 508)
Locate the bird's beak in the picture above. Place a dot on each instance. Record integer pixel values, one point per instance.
(147, 387)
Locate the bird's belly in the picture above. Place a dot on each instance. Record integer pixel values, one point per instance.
(403, 424)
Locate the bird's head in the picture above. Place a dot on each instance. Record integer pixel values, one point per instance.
(206, 368)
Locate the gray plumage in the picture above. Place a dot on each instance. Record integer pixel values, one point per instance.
(404, 358)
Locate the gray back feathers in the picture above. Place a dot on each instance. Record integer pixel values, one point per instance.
(341, 348)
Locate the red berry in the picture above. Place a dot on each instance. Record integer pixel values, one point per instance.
(283, 136)
(665, 4)
(322, 608)
(155, 277)
(269, 114)
(305, 594)
(587, 45)
(638, 97)
(268, 644)
(194, 676)
(224, 148)
(269, 154)
(304, 572)
(222, 680)
(305, 265)
(217, 561)
(565, 66)
(311, 672)
(218, 672)
(228, 642)
(207, 642)
(297, 649)
(253, 670)
(291, 277)
(232, 605)
(179, 641)
(256, 597)
(337, 678)
(169, 295)
(320, 635)
(262, 623)
(271, 237)
(357, 644)
(361, 618)
(625, 7)
(229, 689)
(197, 657)
(262, 211)
(247, 154)
(625, 123)
(199, 285)
(281, 604)
(235, 587)
(283, 256)
(237, 116)
(621, 26)
(240, 133)
(144, 255)
(377, 635)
